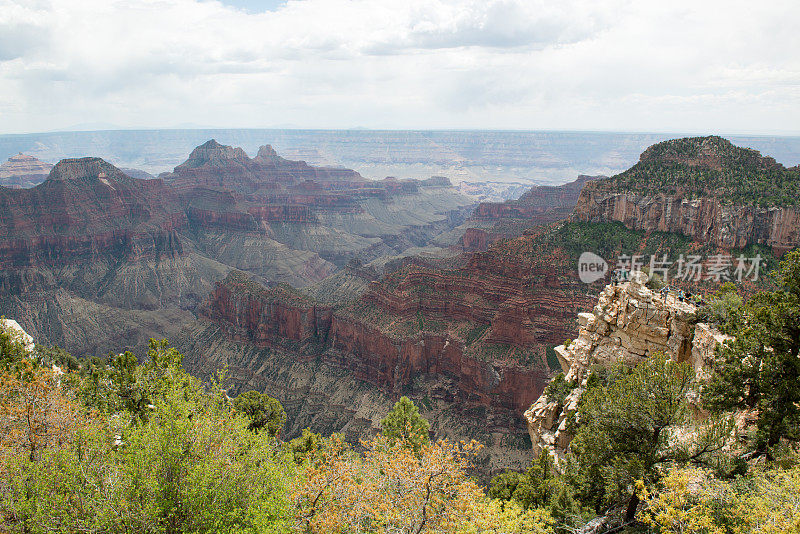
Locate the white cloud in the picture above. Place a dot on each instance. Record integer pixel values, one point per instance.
(617, 64)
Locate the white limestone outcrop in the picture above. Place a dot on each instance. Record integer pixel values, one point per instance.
(629, 323)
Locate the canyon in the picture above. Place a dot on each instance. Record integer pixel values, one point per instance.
(96, 260)
(467, 343)
(337, 294)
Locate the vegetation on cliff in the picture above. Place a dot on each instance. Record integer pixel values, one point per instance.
(759, 368)
(638, 459)
(711, 166)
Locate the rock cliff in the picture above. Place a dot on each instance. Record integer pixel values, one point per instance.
(705, 188)
(87, 208)
(628, 323)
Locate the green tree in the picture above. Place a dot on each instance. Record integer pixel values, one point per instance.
(760, 368)
(263, 411)
(627, 429)
(404, 424)
(541, 486)
(193, 466)
(305, 446)
(121, 383)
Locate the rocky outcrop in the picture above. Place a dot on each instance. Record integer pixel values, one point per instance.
(87, 208)
(23, 171)
(705, 188)
(628, 323)
(13, 328)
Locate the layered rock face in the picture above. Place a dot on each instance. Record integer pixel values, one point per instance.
(543, 203)
(23, 171)
(628, 323)
(540, 205)
(704, 188)
(468, 343)
(330, 211)
(87, 208)
(94, 250)
(212, 165)
(95, 260)
(705, 219)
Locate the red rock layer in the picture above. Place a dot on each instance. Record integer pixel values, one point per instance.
(475, 240)
(513, 300)
(222, 185)
(705, 219)
(87, 207)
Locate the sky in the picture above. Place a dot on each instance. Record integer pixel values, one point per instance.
(703, 66)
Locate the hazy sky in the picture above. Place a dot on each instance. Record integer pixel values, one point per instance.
(679, 65)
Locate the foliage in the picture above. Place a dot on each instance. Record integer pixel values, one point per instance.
(404, 425)
(35, 412)
(627, 429)
(390, 488)
(121, 383)
(741, 176)
(558, 389)
(540, 487)
(759, 368)
(263, 411)
(192, 467)
(189, 465)
(724, 307)
(306, 446)
(55, 355)
(691, 500)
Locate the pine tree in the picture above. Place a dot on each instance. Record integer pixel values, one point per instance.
(760, 367)
(404, 424)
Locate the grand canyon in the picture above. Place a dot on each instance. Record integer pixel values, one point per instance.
(336, 293)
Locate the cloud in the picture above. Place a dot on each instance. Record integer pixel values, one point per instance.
(618, 64)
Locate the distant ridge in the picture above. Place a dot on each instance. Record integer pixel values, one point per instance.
(519, 156)
(23, 171)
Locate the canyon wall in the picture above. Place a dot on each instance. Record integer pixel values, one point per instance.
(705, 219)
(703, 187)
(467, 343)
(93, 249)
